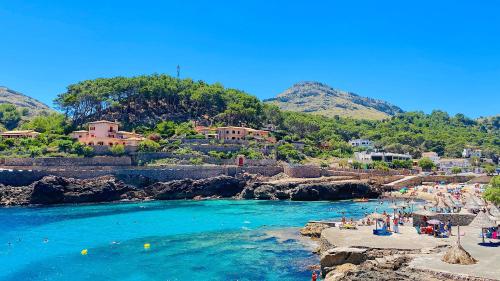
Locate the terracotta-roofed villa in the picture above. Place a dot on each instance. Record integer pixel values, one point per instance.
(234, 133)
(19, 134)
(106, 133)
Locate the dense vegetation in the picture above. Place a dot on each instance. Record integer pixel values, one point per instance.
(492, 192)
(162, 106)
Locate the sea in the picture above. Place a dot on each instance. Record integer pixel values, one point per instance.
(166, 240)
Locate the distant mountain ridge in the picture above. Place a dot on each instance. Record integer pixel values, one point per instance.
(319, 98)
(34, 106)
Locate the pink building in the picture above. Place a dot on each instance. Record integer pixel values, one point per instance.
(106, 133)
(241, 133)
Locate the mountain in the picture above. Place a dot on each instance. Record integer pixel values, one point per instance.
(21, 101)
(316, 97)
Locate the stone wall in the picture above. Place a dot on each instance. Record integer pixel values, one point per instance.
(104, 150)
(148, 157)
(302, 171)
(218, 148)
(68, 161)
(456, 219)
(432, 178)
(267, 171)
(133, 174)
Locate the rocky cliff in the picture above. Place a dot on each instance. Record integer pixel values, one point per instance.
(58, 190)
(33, 106)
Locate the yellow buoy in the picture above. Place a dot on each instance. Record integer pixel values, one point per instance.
(147, 246)
(84, 252)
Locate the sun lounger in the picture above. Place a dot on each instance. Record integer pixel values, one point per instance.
(348, 226)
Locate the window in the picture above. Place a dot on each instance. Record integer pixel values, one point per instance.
(227, 132)
(233, 131)
(233, 138)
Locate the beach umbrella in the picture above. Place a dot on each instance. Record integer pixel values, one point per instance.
(442, 205)
(478, 201)
(457, 255)
(482, 220)
(433, 221)
(376, 216)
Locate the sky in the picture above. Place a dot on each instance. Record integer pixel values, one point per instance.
(419, 55)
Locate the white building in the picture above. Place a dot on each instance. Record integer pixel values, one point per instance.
(469, 152)
(446, 164)
(431, 155)
(361, 143)
(368, 157)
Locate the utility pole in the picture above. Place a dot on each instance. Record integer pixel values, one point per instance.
(178, 71)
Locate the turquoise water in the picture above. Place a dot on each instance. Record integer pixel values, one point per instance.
(190, 240)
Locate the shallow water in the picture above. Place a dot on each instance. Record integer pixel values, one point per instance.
(190, 240)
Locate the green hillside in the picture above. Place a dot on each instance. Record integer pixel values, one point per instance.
(315, 97)
(143, 101)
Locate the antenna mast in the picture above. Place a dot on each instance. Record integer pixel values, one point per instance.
(178, 71)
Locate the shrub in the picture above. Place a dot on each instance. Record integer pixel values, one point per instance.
(148, 146)
(456, 170)
(356, 165)
(117, 150)
(380, 165)
(82, 149)
(196, 161)
(426, 164)
(288, 153)
(489, 169)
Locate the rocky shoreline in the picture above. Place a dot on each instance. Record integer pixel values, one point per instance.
(339, 263)
(59, 190)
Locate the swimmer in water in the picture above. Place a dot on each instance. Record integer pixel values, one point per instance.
(115, 243)
(45, 240)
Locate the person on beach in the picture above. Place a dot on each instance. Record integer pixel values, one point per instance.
(314, 276)
(395, 221)
(388, 222)
(343, 221)
(448, 225)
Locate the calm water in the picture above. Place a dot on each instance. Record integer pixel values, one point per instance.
(190, 240)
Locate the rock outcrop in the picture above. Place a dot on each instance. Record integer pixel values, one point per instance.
(309, 191)
(59, 190)
(341, 255)
(221, 186)
(313, 229)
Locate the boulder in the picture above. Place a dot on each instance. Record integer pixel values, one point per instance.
(340, 272)
(57, 190)
(313, 229)
(341, 255)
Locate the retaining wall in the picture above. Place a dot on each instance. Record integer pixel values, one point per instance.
(302, 171)
(68, 161)
(133, 174)
(418, 180)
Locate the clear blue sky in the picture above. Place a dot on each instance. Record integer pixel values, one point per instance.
(419, 55)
